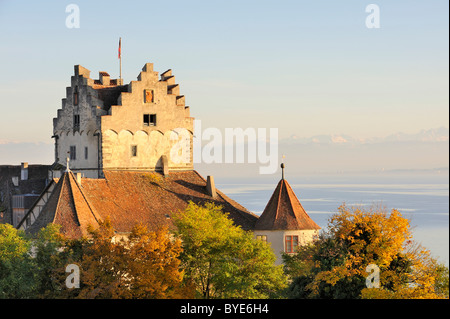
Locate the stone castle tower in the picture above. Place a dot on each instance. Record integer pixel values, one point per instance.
(106, 125)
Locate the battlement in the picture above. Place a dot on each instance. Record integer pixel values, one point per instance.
(104, 79)
(81, 71)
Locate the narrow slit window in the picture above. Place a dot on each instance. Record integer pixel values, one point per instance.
(133, 150)
(76, 121)
(86, 153)
(75, 96)
(73, 152)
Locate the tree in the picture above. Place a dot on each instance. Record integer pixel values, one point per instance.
(154, 266)
(50, 253)
(17, 278)
(223, 261)
(441, 282)
(358, 238)
(143, 265)
(27, 265)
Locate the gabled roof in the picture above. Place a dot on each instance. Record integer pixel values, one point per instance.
(129, 198)
(67, 207)
(284, 211)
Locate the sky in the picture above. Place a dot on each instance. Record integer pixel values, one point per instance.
(307, 68)
(345, 98)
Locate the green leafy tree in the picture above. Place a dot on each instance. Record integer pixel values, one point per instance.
(49, 254)
(17, 276)
(223, 261)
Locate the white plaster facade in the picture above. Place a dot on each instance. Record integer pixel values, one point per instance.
(277, 239)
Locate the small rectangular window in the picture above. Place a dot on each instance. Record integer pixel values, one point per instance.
(73, 152)
(153, 119)
(148, 96)
(291, 244)
(133, 150)
(86, 153)
(149, 119)
(262, 237)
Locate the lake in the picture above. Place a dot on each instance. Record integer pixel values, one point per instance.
(422, 198)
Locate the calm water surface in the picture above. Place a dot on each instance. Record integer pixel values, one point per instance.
(424, 199)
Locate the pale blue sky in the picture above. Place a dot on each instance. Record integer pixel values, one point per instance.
(306, 67)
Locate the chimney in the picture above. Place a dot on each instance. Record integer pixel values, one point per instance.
(79, 179)
(211, 187)
(104, 78)
(24, 171)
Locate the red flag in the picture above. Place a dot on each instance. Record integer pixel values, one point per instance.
(120, 40)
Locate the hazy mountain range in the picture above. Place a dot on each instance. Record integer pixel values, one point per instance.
(432, 135)
(427, 150)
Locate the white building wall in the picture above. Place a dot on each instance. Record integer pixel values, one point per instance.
(276, 238)
(88, 165)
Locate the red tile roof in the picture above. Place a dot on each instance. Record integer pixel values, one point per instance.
(129, 198)
(67, 207)
(284, 211)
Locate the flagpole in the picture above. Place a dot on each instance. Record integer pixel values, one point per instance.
(120, 59)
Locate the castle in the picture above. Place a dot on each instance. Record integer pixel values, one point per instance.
(114, 158)
(105, 125)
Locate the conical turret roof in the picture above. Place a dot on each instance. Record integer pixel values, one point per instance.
(284, 211)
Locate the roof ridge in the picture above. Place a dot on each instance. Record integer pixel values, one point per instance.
(239, 206)
(280, 183)
(85, 199)
(73, 198)
(289, 188)
(59, 197)
(200, 175)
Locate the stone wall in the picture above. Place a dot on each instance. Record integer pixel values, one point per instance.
(123, 127)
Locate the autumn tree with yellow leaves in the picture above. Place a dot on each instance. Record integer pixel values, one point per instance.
(143, 265)
(335, 266)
